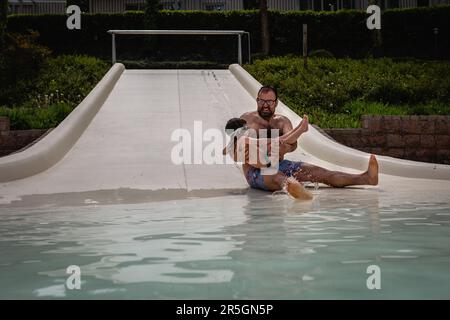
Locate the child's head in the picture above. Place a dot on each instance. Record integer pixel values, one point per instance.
(233, 124)
(235, 128)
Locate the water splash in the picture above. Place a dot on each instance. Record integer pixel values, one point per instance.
(279, 192)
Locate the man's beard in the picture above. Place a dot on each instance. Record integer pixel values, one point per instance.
(265, 114)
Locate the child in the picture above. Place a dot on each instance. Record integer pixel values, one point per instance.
(240, 138)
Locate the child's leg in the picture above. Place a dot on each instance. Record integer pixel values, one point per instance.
(294, 188)
(293, 135)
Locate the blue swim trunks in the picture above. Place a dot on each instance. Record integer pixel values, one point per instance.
(255, 178)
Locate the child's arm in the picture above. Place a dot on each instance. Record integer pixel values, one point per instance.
(244, 155)
(252, 146)
(288, 138)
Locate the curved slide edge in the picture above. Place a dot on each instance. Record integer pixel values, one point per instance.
(328, 150)
(52, 148)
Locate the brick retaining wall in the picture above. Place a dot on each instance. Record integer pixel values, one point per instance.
(420, 138)
(11, 141)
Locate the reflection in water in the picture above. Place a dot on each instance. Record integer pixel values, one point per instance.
(281, 235)
(123, 245)
(152, 246)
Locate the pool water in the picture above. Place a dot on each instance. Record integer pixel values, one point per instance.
(248, 246)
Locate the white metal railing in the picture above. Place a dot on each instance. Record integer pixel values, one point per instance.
(239, 34)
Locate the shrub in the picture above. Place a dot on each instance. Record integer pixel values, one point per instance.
(321, 53)
(338, 91)
(20, 61)
(59, 86)
(66, 79)
(36, 118)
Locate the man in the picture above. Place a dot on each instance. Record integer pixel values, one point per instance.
(265, 118)
(243, 143)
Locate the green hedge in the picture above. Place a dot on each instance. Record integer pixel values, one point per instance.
(93, 38)
(405, 32)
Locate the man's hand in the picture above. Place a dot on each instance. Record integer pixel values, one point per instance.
(282, 149)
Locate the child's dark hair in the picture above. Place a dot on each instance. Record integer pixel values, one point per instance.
(234, 123)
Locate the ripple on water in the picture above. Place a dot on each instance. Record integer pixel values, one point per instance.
(245, 246)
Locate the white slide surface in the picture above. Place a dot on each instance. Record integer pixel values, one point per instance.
(119, 138)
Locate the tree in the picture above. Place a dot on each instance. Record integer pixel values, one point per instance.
(83, 4)
(3, 17)
(265, 34)
(251, 4)
(3, 13)
(151, 14)
(377, 37)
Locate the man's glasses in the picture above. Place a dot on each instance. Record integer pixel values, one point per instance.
(262, 102)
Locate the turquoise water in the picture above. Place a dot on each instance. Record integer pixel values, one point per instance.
(251, 246)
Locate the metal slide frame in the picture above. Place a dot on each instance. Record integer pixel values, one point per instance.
(239, 34)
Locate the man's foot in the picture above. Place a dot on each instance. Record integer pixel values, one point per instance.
(296, 189)
(372, 171)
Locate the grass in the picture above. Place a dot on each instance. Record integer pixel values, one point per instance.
(353, 111)
(336, 92)
(22, 118)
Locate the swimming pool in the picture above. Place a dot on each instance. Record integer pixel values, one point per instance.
(243, 246)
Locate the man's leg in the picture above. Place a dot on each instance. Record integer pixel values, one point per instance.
(274, 182)
(309, 172)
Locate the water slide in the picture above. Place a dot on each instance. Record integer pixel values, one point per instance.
(118, 143)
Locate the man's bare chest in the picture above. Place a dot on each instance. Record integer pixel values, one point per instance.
(261, 126)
